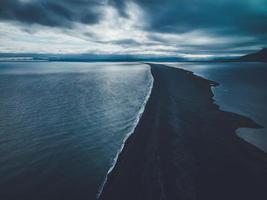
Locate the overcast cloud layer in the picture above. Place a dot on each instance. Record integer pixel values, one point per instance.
(190, 28)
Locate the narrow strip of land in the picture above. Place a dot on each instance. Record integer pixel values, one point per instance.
(185, 147)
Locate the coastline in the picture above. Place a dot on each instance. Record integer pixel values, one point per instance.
(185, 147)
(141, 111)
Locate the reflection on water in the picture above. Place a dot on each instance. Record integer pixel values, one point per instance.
(242, 90)
(61, 125)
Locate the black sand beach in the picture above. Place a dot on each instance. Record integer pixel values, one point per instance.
(185, 147)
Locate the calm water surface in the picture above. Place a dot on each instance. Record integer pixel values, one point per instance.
(242, 89)
(61, 125)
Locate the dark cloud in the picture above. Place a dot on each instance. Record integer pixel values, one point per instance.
(60, 13)
(186, 15)
(228, 18)
(177, 16)
(127, 42)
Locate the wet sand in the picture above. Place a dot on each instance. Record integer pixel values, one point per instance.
(184, 147)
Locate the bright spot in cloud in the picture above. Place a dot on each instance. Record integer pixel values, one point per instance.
(114, 34)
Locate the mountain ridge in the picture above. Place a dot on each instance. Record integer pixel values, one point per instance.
(260, 56)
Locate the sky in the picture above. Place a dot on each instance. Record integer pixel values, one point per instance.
(184, 28)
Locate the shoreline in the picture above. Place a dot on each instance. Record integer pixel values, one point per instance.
(140, 113)
(185, 147)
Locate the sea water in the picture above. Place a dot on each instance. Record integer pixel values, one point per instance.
(242, 90)
(62, 125)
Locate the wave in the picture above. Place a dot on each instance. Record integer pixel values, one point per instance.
(139, 115)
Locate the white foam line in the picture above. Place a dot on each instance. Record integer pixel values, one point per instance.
(141, 111)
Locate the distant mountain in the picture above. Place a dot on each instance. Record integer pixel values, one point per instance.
(260, 56)
(113, 58)
(87, 58)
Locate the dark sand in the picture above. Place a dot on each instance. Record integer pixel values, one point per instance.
(185, 148)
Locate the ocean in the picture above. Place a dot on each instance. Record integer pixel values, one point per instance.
(62, 125)
(242, 90)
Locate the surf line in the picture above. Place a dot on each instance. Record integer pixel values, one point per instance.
(139, 115)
